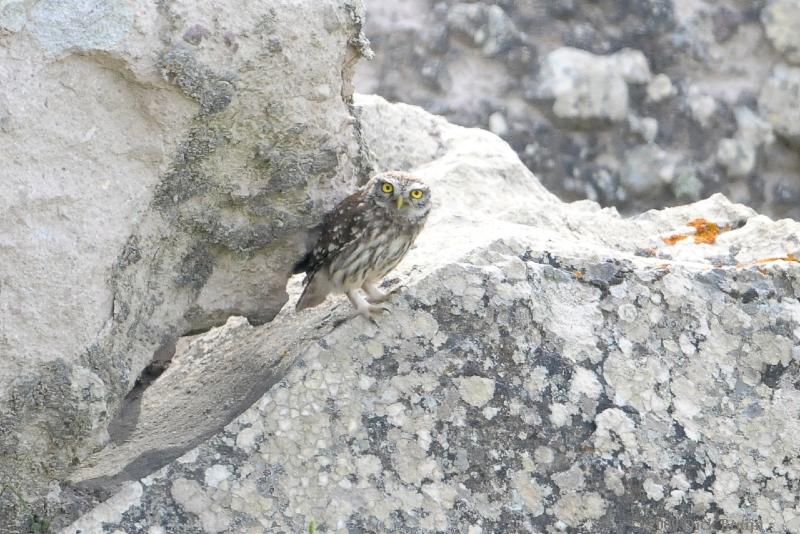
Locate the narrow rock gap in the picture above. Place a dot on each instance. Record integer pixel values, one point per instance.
(121, 427)
(194, 387)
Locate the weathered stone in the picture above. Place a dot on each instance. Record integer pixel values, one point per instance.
(738, 157)
(781, 19)
(586, 86)
(133, 208)
(648, 169)
(547, 366)
(487, 26)
(779, 102)
(707, 58)
(659, 88)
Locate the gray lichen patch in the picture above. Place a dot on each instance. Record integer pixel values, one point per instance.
(446, 419)
(213, 92)
(546, 367)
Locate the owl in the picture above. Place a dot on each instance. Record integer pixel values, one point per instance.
(363, 238)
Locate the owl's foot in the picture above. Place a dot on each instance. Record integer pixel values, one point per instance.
(375, 295)
(364, 307)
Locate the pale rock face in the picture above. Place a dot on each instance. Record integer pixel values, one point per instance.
(781, 19)
(660, 88)
(738, 157)
(587, 86)
(672, 363)
(154, 182)
(778, 102)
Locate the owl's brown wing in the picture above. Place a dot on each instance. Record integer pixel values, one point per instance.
(337, 230)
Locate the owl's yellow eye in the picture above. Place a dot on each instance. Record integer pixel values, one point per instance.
(416, 194)
(387, 187)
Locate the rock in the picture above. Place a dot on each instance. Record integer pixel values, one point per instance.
(137, 205)
(779, 101)
(725, 22)
(498, 124)
(702, 105)
(487, 26)
(738, 157)
(659, 88)
(586, 86)
(547, 366)
(781, 20)
(433, 53)
(753, 129)
(12, 17)
(648, 168)
(646, 127)
(686, 185)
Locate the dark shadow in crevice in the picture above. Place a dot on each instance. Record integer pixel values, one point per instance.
(123, 424)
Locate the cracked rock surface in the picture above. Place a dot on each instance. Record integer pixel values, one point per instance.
(153, 182)
(547, 367)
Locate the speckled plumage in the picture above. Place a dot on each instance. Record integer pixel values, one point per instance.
(363, 238)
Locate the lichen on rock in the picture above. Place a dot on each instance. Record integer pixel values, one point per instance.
(136, 208)
(546, 366)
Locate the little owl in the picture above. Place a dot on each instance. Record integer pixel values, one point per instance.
(362, 239)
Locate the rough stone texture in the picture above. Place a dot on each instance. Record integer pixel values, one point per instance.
(159, 163)
(781, 20)
(779, 102)
(547, 367)
(542, 76)
(586, 86)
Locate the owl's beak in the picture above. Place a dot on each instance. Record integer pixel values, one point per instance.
(400, 202)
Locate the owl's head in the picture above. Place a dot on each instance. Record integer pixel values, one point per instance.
(400, 193)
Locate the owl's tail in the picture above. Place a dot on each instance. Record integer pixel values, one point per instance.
(317, 289)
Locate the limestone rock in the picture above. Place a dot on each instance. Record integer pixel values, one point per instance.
(707, 59)
(659, 88)
(781, 19)
(587, 86)
(152, 185)
(738, 157)
(546, 366)
(487, 26)
(648, 169)
(779, 102)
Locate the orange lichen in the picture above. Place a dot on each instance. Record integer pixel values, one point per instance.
(671, 240)
(705, 231)
(788, 257)
(577, 274)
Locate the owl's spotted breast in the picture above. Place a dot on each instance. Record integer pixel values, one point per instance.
(364, 238)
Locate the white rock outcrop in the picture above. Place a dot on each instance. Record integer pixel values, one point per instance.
(154, 179)
(546, 366)
(779, 102)
(781, 19)
(589, 86)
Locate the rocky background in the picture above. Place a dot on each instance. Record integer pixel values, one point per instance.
(633, 103)
(547, 366)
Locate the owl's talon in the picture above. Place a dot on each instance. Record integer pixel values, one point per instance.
(370, 312)
(376, 296)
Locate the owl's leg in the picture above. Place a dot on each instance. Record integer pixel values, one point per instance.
(362, 306)
(374, 295)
